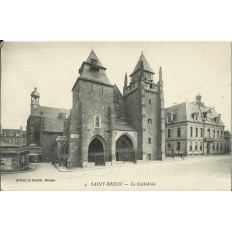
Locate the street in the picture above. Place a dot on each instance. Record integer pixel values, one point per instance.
(196, 173)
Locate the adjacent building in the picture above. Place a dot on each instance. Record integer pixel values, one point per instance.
(193, 128)
(44, 124)
(14, 136)
(108, 127)
(227, 137)
(13, 157)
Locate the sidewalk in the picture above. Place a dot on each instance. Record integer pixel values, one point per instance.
(32, 168)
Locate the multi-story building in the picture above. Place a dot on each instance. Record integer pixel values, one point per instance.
(193, 128)
(227, 137)
(14, 136)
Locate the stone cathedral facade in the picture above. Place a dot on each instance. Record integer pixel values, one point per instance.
(107, 127)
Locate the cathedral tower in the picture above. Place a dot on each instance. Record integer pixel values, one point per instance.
(92, 114)
(144, 105)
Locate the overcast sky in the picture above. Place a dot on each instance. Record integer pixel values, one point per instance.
(52, 67)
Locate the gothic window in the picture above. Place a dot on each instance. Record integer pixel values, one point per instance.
(149, 140)
(96, 121)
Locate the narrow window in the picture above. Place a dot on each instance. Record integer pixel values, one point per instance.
(191, 131)
(196, 132)
(208, 133)
(149, 140)
(195, 146)
(201, 146)
(169, 133)
(149, 121)
(178, 132)
(178, 146)
(201, 132)
(191, 146)
(149, 101)
(97, 122)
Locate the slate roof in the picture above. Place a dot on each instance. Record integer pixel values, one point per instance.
(49, 111)
(146, 66)
(53, 125)
(93, 55)
(52, 122)
(185, 110)
(87, 71)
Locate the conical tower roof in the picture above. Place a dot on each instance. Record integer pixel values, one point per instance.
(93, 70)
(92, 56)
(146, 66)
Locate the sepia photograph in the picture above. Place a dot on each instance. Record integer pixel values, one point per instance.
(115, 116)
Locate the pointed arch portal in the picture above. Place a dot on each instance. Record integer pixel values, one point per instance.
(96, 152)
(124, 149)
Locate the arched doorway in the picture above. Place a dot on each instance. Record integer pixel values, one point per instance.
(125, 149)
(96, 152)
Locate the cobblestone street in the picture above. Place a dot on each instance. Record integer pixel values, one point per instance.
(195, 173)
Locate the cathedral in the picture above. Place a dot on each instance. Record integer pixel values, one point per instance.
(104, 126)
(107, 127)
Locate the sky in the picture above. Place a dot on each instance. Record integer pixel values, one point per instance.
(188, 68)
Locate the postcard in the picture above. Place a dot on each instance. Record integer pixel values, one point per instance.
(131, 116)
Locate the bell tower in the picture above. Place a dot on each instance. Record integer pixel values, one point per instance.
(143, 104)
(35, 98)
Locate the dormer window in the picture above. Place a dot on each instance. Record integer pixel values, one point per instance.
(195, 116)
(171, 117)
(216, 119)
(93, 61)
(97, 121)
